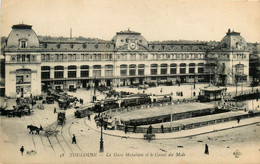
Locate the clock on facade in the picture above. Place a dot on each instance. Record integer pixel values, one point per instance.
(132, 46)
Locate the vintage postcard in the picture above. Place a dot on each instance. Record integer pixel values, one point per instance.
(130, 81)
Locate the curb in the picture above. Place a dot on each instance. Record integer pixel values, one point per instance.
(212, 131)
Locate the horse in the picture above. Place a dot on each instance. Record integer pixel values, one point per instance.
(34, 128)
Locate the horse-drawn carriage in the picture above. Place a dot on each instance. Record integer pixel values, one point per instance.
(61, 118)
(34, 128)
(17, 111)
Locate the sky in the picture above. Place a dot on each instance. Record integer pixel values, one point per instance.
(160, 20)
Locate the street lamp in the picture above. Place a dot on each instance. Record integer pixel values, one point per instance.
(101, 149)
(194, 79)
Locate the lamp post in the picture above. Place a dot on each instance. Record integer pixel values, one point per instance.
(31, 100)
(194, 79)
(101, 149)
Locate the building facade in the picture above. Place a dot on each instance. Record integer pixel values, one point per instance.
(127, 59)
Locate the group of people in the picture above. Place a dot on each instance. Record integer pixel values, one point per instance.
(179, 93)
(81, 101)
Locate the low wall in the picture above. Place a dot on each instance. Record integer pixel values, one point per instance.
(187, 126)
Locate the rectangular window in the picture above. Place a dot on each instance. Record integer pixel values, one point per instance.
(45, 75)
(47, 57)
(163, 71)
(108, 72)
(173, 70)
(18, 58)
(200, 70)
(23, 44)
(182, 70)
(97, 73)
(43, 57)
(84, 73)
(141, 72)
(153, 71)
(58, 74)
(191, 70)
(123, 73)
(132, 72)
(72, 74)
(19, 79)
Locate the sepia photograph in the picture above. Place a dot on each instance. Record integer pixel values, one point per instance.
(130, 81)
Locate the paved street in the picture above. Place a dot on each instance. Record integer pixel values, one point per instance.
(190, 143)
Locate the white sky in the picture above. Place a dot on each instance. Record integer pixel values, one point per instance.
(156, 20)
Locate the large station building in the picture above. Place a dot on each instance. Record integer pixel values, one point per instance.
(127, 59)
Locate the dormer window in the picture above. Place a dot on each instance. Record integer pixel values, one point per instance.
(23, 44)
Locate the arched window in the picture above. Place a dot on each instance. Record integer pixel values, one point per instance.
(132, 69)
(72, 71)
(45, 68)
(58, 72)
(97, 70)
(192, 68)
(123, 70)
(72, 67)
(154, 68)
(108, 70)
(201, 68)
(163, 69)
(45, 72)
(84, 71)
(23, 76)
(173, 68)
(182, 68)
(141, 68)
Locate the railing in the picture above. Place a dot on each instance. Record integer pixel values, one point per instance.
(148, 106)
(176, 128)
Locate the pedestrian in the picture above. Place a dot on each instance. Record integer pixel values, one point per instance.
(194, 93)
(134, 131)
(162, 128)
(161, 90)
(126, 129)
(206, 149)
(22, 150)
(105, 125)
(88, 116)
(74, 139)
(238, 119)
(54, 110)
(150, 129)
